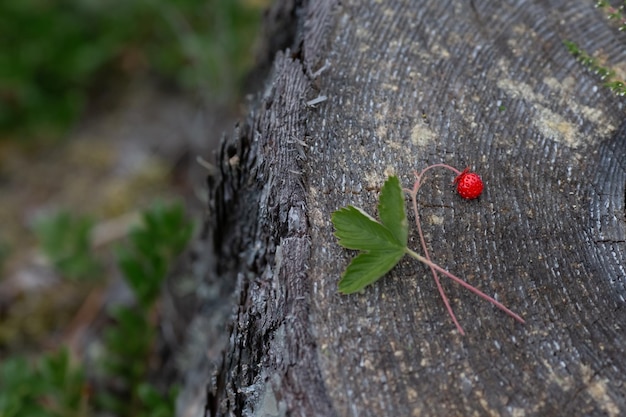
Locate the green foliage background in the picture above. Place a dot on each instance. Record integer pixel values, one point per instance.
(56, 52)
(56, 56)
(53, 385)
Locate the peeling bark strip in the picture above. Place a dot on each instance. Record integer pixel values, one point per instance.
(412, 83)
(260, 231)
(261, 225)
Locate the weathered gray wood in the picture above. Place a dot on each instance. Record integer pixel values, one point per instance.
(412, 83)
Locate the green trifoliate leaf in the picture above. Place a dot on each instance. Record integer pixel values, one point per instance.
(367, 268)
(382, 244)
(391, 210)
(355, 229)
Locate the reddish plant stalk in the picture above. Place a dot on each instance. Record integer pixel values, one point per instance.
(436, 268)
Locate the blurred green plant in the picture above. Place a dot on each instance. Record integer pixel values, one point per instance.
(66, 241)
(5, 251)
(144, 261)
(54, 53)
(49, 387)
(159, 405)
(52, 386)
(613, 13)
(607, 75)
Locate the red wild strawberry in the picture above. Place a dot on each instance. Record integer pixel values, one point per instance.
(468, 184)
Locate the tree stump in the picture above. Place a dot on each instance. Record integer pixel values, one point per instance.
(411, 83)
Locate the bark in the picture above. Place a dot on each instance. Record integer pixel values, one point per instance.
(411, 83)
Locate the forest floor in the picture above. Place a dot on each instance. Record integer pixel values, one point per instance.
(118, 161)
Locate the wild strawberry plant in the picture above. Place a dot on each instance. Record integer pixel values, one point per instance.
(383, 243)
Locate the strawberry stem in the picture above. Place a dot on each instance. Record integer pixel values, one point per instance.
(465, 284)
(436, 268)
(442, 293)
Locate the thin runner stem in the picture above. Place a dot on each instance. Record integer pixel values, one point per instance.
(442, 293)
(465, 284)
(436, 268)
(446, 166)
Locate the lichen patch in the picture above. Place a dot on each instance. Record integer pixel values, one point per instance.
(566, 88)
(422, 135)
(597, 389)
(604, 127)
(437, 220)
(373, 179)
(551, 124)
